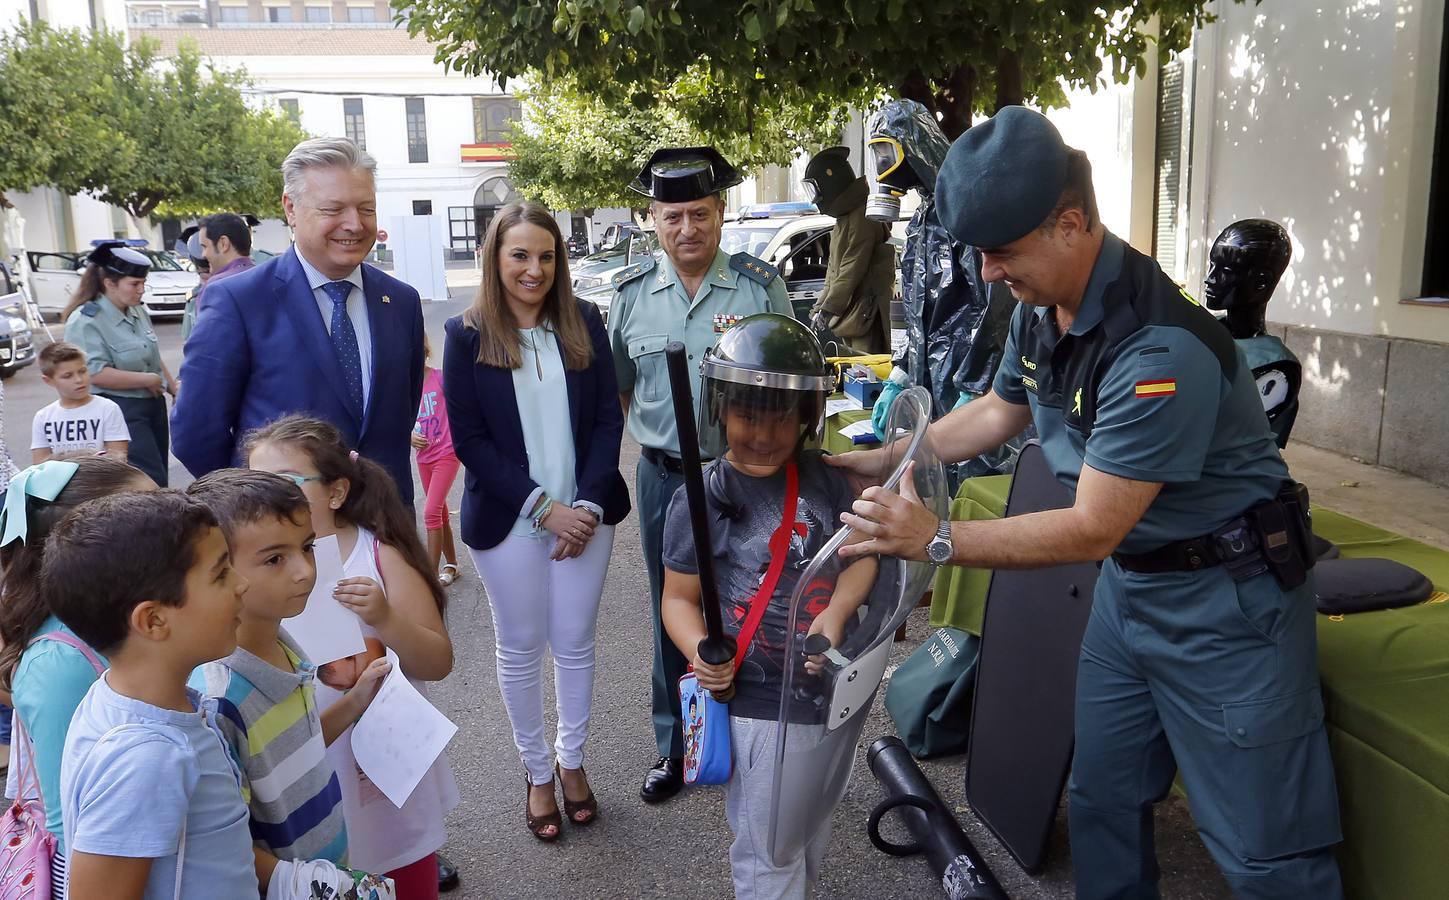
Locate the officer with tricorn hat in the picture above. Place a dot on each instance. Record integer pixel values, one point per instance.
(691, 292)
(1200, 654)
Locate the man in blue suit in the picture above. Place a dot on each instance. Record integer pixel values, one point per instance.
(311, 331)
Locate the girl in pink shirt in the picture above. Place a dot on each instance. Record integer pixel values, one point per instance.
(438, 468)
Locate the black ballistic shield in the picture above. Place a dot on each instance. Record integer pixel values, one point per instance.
(1020, 745)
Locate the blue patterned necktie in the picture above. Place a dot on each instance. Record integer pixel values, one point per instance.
(344, 341)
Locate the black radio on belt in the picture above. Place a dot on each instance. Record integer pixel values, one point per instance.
(1274, 536)
(1286, 534)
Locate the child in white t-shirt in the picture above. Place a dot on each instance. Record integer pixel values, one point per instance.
(77, 424)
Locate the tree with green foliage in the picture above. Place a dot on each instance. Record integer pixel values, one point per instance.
(82, 112)
(578, 151)
(951, 55)
(52, 86)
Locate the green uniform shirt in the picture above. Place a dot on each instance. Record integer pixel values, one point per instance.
(120, 340)
(651, 308)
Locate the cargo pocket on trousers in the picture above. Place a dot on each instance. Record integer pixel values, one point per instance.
(1282, 795)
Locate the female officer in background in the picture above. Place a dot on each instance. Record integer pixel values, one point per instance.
(106, 319)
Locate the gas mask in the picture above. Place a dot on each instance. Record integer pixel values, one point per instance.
(890, 177)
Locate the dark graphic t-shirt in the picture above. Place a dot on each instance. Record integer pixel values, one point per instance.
(740, 527)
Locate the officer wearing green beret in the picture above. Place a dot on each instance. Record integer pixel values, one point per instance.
(692, 292)
(106, 319)
(1200, 654)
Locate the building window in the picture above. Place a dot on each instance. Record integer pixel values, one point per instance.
(319, 14)
(462, 230)
(493, 119)
(1436, 260)
(362, 13)
(1172, 139)
(422, 207)
(290, 109)
(352, 121)
(417, 131)
(278, 13)
(235, 14)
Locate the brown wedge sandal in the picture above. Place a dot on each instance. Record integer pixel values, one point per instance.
(571, 808)
(537, 824)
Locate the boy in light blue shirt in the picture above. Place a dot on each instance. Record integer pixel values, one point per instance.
(151, 801)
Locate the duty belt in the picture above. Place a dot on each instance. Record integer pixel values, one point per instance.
(1235, 546)
(664, 461)
(1273, 536)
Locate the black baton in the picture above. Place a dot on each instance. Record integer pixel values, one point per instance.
(718, 648)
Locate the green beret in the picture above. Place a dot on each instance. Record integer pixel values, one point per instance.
(1001, 178)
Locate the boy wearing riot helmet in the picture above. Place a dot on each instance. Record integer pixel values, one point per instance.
(764, 390)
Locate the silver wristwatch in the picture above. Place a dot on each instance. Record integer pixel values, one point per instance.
(938, 550)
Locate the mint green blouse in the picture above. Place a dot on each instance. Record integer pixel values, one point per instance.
(543, 409)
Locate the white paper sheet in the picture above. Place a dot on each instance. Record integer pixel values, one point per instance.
(840, 405)
(398, 738)
(858, 429)
(326, 630)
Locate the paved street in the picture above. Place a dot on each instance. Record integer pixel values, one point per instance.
(678, 850)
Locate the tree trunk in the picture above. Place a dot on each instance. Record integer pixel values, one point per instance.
(918, 88)
(1008, 79)
(956, 98)
(949, 100)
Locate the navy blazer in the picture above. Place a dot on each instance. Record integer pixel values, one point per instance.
(260, 350)
(488, 433)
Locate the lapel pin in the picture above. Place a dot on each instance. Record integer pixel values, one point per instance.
(386, 298)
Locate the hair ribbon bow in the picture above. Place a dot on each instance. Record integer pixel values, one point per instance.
(43, 482)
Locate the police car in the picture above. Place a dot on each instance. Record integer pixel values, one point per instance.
(17, 349)
(55, 275)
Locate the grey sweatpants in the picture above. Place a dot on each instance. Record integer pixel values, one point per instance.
(747, 806)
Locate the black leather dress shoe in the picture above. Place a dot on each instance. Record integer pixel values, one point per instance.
(664, 780)
(447, 875)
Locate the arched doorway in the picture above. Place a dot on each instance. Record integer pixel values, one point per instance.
(492, 195)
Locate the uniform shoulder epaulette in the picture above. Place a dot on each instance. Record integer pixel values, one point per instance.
(91, 309)
(639, 268)
(754, 268)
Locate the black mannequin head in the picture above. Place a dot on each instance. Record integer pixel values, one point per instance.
(1244, 266)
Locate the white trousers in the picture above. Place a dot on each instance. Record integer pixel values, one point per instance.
(539, 603)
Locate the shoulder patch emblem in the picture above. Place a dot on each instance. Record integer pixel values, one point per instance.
(639, 268)
(91, 310)
(753, 268)
(1161, 387)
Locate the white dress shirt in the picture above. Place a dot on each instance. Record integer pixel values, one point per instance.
(356, 311)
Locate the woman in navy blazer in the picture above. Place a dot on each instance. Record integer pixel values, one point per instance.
(534, 407)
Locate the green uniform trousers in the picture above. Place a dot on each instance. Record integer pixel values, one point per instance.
(654, 487)
(1193, 671)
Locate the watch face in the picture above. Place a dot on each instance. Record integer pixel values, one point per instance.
(939, 550)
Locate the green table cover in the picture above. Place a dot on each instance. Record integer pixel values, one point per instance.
(1386, 696)
(834, 442)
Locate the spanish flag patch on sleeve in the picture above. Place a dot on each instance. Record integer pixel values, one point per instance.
(1164, 387)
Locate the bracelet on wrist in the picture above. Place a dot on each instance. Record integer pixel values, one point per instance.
(541, 511)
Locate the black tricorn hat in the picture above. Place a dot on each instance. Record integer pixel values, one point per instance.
(682, 174)
(117, 258)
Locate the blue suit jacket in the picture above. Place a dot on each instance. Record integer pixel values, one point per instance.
(488, 434)
(260, 351)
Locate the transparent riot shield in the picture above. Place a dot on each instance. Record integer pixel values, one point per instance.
(824, 704)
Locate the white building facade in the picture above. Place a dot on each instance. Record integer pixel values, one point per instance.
(337, 67)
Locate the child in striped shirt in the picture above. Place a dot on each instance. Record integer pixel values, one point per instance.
(264, 691)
